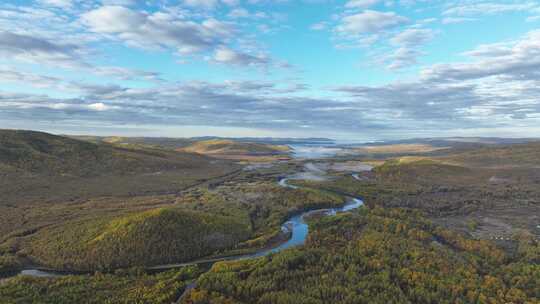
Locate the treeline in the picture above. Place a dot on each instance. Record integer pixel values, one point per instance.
(378, 256)
(123, 287)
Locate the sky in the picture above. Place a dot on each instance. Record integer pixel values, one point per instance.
(348, 70)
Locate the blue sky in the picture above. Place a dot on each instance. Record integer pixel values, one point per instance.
(357, 69)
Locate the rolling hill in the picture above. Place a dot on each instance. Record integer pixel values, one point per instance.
(41, 166)
(525, 155)
(158, 142)
(222, 148)
(48, 154)
(148, 238)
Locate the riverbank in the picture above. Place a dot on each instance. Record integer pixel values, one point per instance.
(295, 225)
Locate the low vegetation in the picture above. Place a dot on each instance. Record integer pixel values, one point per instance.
(517, 155)
(42, 153)
(229, 149)
(223, 146)
(39, 167)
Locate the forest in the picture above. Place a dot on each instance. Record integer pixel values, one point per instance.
(379, 256)
(229, 219)
(447, 227)
(122, 287)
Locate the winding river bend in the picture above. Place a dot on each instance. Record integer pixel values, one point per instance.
(295, 225)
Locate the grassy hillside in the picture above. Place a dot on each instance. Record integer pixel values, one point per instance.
(40, 167)
(518, 155)
(43, 153)
(149, 238)
(418, 169)
(224, 148)
(159, 142)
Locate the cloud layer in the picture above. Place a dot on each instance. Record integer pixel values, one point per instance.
(235, 64)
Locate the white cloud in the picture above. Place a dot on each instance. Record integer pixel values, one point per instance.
(413, 37)
(370, 21)
(319, 26)
(231, 2)
(520, 59)
(25, 78)
(38, 50)
(210, 4)
(454, 20)
(361, 3)
(403, 57)
(119, 2)
(475, 9)
(57, 3)
(239, 13)
(157, 30)
(497, 87)
(229, 56)
(207, 4)
(114, 19)
(408, 44)
(99, 106)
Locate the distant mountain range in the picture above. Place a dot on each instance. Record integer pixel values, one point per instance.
(445, 141)
(275, 140)
(175, 143)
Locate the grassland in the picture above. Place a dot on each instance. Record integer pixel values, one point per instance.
(40, 167)
(229, 149)
(156, 142)
(506, 156)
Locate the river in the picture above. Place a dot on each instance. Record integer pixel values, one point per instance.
(295, 225)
